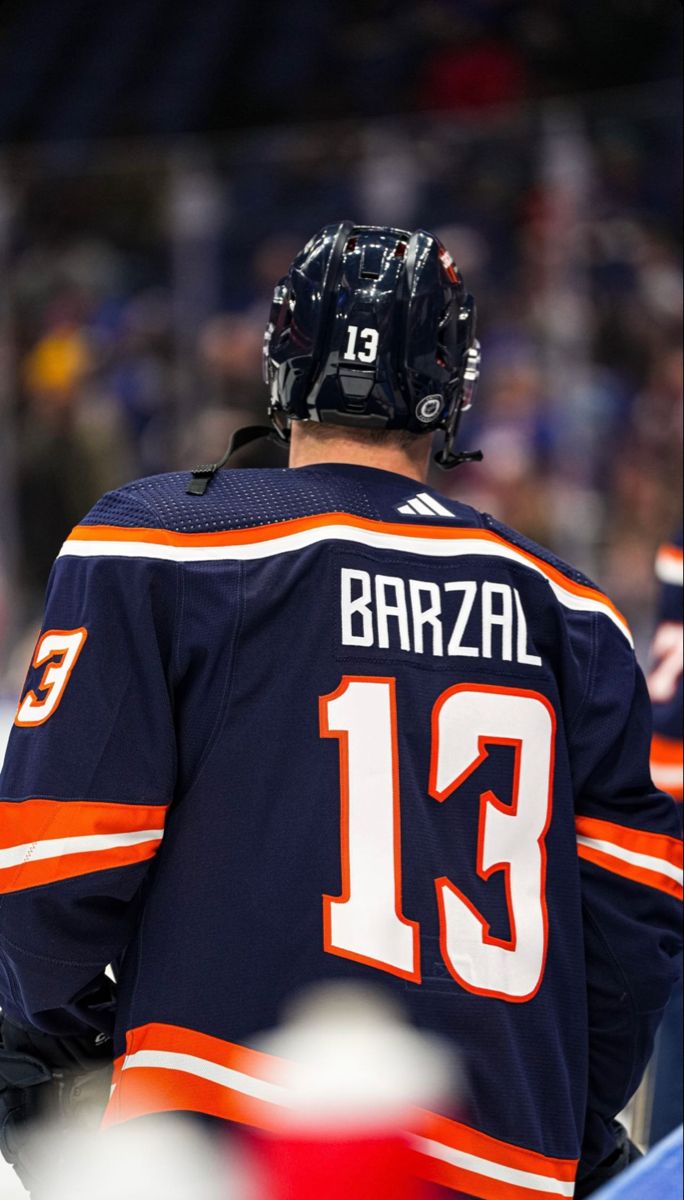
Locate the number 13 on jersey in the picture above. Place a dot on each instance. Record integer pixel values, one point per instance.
(367, 921)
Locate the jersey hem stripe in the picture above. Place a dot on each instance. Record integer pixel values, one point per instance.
(468, 1170)
(169, 1068)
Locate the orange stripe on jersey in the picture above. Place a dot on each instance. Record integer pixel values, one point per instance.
(667, 764)
(457, 1136)
(144, 1091)
(653, 879)
(653, 859)
(177, 1039)
(468, 1183)
(657, 845)
(44, 841)
(167, 1068)
(280, 529)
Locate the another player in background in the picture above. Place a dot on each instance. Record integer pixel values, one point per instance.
(665, 678)
(665, 688)
(323, 723)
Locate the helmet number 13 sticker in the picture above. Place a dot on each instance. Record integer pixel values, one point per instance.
(368, 351)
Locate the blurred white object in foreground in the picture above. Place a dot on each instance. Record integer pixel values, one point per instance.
(352, 1076)
(160, 1158)
(350, 1059)
(355, 1074)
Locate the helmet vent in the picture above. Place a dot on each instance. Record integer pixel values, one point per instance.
(400, 250)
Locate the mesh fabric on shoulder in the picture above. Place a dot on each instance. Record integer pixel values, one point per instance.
(236, 499)
(524, 543)
(122, 507)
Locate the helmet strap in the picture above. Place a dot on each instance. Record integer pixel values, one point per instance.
(203, 475)
(446, 458)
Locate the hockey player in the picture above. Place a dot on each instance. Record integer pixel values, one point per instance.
(665, 679)
(323, 722)
(667, 769)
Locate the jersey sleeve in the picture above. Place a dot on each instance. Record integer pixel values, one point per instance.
(630, 858)
(88, 777)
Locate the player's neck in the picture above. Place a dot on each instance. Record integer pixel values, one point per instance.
(411, 461)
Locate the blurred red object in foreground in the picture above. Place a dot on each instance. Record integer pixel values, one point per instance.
(353, 1078)
(376, 1166)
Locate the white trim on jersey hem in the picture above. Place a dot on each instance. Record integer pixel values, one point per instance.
(279, 1095)
(647, 862)
(302, 539)
(203, 1068)
(491, 1169)
(29, 852)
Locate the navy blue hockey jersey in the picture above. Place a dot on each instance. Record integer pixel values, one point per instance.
(325, 723)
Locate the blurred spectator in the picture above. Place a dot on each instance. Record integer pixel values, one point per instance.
(71, 444)
(576, 271)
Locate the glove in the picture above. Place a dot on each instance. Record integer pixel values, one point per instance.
(624, 1154)
(42, 1078)
(23, 1083)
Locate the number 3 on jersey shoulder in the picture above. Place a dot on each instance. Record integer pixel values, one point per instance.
(366, 922)
(64, 647)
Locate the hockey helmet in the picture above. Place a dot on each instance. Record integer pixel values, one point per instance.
(373, 328)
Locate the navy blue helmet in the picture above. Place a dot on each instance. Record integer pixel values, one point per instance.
(373, 328)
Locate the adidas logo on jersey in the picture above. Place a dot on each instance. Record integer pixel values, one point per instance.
(423, 505)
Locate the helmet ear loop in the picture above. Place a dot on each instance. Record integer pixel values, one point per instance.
(466, 386)
(281, 425)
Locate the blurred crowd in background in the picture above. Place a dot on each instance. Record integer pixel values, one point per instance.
(137, 275)
(81, 69)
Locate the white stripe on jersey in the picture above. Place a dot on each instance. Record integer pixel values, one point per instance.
(646, 862)
(493, 1170)
(91, 843)
(303, 538)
